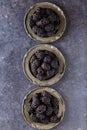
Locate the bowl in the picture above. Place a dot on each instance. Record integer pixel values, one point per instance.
(56, 9)
(27, 70)
(42, 126)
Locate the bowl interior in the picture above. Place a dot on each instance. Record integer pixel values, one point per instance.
(40, 125)
(56, 77)
(62, 25)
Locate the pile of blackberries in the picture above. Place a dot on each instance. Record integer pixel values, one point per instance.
(44, 22)
(43, 108)
(44, 65)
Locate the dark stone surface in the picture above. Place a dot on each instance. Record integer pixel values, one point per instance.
(14, 42)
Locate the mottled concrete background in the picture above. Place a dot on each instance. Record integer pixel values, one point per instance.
(14, 43)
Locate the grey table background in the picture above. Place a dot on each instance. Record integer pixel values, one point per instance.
(14, 43)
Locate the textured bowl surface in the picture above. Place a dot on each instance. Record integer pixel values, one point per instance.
(40, 125)
(27, 70)
(62, 25)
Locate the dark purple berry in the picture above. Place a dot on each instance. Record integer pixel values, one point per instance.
(36, 62)
(34, 29)
(41, 32)
(49, 11)
(54, 119)
(46, 66)
(43, 22)
(53, 17)
(35, 102)
(49, 110)
(46, 94)
(33, 117)
(54, 63)
(49, 27)
(45, 100)
(55, 102)
(39, 54)
(40, 116)
(40, 109)
(51, 33)
(30, 108)
(31, 22)
(32, 58)
(40, 71)
(55, 110)
(51, 73)
(36, 16)
(47, 59)
(45, 121)
(40, 77)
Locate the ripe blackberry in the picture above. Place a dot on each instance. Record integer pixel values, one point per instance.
(49, 27)
(30, 108)
(40, 71)
(54, 102)
(33, 117)
(53, 17)
(45, 100)
(54, 63)
(40, 116)
(40, 109)
(33, 69)
(46, 94)
(39, 54)
(31, 22)
(49, 110)
(36, 63)
(41, 32)
(47, 59)
(54, 119)
(36, 16)
(51, 73)
(34, 29)
(45, 121)
(49, 11)
(35, 102)
(43, 22)
(55, 110)
(40, 77)
(51, 33)
(32, 58)
(46, 66)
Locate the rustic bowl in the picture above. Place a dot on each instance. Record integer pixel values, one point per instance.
(42, 126)
(62, 25)
(27, 70)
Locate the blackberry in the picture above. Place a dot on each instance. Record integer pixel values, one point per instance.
(47, 59)
(36, 63)
(55, 102)
(49, 11)
(49, 110)
(34, 29)
(51, 33)
(45, 121)
(54, 64)
(40, 71)
(30, 109)
(46, 94)
(32, 58)
(46, 66)
(45, 100)
(35, 102)
(49, 27)
(31, 22)
(55, 110)
(40, 77)
(54, 119)
(36, 16)
(33, 117)
(40, 116)
(53, 17)
(39, 54)
(43, 22)
(40, 109)
(33, 69)
(41, 32)
(51, 73)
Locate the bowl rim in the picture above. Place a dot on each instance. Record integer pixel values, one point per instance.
(61, 101)
(28, 73)
(41, 39)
